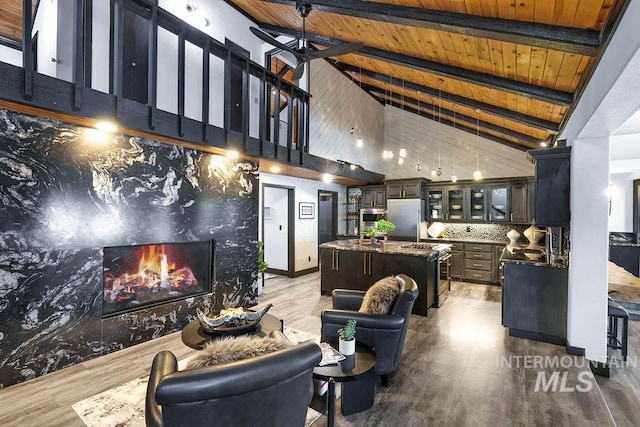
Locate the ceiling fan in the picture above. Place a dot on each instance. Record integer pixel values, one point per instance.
(303, 55)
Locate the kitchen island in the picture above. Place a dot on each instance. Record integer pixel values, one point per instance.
(348, 264)
(534, 297)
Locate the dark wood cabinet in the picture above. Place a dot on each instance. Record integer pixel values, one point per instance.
(373, 196)
(478, 262)
(520, 202)
(457, 265)
(552, 202)
(358, 270)
(422, 271)
(496, 200)
(534, 302)
(627, 257)
(406, 188)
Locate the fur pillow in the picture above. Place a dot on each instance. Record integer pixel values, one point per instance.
(380, 296)
(230, 349)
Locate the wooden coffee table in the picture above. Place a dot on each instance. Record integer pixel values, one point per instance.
(195, 337)
(356, 373)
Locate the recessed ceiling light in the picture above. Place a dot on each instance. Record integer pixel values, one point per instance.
(543, 144)
(353, 167)
(106, 127)
(231, 154)
(275, 169)
(327, 178)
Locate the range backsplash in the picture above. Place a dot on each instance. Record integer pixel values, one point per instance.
(66, 195)
(496, 232)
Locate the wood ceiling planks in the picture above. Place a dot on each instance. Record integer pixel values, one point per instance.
(532, 80)
(11, 20)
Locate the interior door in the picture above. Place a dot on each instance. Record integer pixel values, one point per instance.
(276, 229)
(327, 216)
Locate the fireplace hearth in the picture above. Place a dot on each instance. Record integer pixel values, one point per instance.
(140, 276)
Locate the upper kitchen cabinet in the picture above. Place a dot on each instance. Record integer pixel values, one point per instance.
(499, 204)
(477, 203)
(373, 196)
(455, 204)
(406, 188)
(435, 204)
(552, 180)
(520, 209)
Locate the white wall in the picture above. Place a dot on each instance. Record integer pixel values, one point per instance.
(46, 25)
(621, 193)
(611, 97)
(10, 55)
(306, 230)
(337, 104)
(420, 137)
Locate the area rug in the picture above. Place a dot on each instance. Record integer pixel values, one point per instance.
(123, 406)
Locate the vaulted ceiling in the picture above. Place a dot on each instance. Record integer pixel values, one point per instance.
(511, 70)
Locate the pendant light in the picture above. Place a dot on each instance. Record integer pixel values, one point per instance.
(477, 175)
(418, 166)
(359, 141)
(433, 166)
(388, 154)
(439, 172)
(403, 151)
(454, 177)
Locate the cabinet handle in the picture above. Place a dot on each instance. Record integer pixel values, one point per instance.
(476, 248)
(333, 260)
(511, 217)
(477, 265)
(364, 263)
(337, 260)
(477, 256)
(477, 275)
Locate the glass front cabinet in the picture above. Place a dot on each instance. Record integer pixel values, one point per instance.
(435, 204)
(499, 206)
(455, 204)
(477, 204)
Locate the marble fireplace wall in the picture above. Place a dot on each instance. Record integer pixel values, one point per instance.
(66, 192)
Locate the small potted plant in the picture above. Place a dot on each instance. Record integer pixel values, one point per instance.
(371, 234)
(347, 340)
(262, 266)
(383, 227)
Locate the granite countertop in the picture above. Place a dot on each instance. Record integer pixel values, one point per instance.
(389, 247)
(519, 256)
(622, 239)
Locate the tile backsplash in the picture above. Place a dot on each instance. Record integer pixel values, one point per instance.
(497, 232)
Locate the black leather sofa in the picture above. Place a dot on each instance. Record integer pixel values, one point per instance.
(270, 390)
(384, 333)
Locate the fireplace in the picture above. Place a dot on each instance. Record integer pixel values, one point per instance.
(145, 275)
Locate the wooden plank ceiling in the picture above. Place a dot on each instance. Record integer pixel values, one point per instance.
(511, 67)
(11, 20)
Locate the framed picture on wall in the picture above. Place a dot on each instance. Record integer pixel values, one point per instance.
(306, 210)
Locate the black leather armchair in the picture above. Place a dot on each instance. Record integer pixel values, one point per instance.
(384, 333)
(271, 390)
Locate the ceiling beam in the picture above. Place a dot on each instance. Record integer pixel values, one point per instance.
(563, 39)
(457, 99)
(466, 129)
(473, 77)
(376, 91)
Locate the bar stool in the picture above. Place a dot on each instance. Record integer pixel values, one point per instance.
(616, 312)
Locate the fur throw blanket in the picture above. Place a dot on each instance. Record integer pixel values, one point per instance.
(230, 349)
(380, 296)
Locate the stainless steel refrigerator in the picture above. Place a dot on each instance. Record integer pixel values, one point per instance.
(406, 214)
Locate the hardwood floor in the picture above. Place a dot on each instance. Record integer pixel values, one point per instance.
(449, 373)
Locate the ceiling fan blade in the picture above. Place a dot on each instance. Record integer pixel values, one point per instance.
(299, 71)
(268, 39)
(335, 50)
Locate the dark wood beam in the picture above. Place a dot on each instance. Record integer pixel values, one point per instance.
(378, 92)
(465, 128)
(473, 77)
(563, 39)
(492, 109)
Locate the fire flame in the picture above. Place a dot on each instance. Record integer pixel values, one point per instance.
(155, 261)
